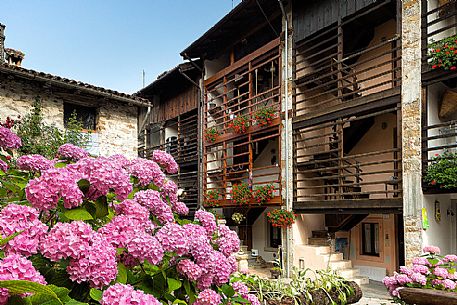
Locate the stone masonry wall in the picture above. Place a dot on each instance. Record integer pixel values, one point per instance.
(411, 127)
(116, 126)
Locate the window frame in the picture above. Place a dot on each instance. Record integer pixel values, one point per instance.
(373, 239)
(93, 111)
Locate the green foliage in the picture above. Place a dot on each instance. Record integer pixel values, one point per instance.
(264, 116)
(443, 53)
(41, 138)
(442, 171)
(211, 134)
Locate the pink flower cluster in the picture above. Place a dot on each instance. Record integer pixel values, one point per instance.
(208, 297)
(153, 201)
(166, 161)
(207, 220)
(120, 294)
(241, 289)
(17, 267)
(35, 163)
(72, 152)
(228, 241)
(18, 218)
(45, 191)
(92, 258)
(147, 171)
(9, 139)
(104, 175)
(428, 271)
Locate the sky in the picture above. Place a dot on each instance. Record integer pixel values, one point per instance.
(107, 43)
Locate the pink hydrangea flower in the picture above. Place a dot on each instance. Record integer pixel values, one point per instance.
(72, 152)
(96, 265)
(406, 270)
(207, 220)
(132, 209)
(145, 247)
(35, 163)
(252, 299)
(17, 267)
(189, 269)
(170, 192)
(120, 294)
(240, 288)
(208, 297)
(166, 161)
(67, 240)
(18, 218)
(450, 258)
(9, 139)
(431, 249)
(122, 229)
(419, 278)
(449, 284)
(402, 279)
(45, 191)
(180, 208)
(173, 238)
(152, 200)
(103, 175)
(228, 241)
(147, 171)
(421, 269)
(441, 272)
(120, 159)
(3, 166)
(421, 261)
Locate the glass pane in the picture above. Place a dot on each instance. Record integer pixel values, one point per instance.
(367, 238)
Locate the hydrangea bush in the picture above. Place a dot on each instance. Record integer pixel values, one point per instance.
(107, 230)
(429, 271)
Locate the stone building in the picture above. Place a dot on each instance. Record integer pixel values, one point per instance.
(110, 116)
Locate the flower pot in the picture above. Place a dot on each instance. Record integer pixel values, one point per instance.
(420, 296)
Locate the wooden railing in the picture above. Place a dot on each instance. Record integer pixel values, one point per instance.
(325, 76)
(242, 89)
(439, 21)
(437, 139)
(330, 165)
(183, 146)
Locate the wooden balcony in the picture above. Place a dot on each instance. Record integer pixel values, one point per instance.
(349, 163)
(439, 21)
(243, 89)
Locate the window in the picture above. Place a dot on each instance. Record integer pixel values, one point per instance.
(274, 236)
(86, 115)
(370, 239)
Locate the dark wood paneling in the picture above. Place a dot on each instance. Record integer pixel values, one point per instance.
(181, 103)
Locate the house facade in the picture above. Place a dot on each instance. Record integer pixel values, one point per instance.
(172, 125)
(110, 116)
(358, 112)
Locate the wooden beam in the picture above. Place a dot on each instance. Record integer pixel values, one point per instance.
(348, 204)
(372, 101)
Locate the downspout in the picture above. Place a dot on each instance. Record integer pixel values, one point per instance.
(286, 128)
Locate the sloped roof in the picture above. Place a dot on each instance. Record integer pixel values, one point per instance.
(74, 84)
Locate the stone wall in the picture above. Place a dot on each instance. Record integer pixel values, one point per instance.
(116, 128)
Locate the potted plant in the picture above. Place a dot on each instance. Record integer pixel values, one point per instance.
(212, 198)
(238, 218)
(211, 134)
(264, 193)
(443, 54)
(442, 171)
(432, 279)
(241, 194)
(239, 124)
(281, 218)
(264, 116)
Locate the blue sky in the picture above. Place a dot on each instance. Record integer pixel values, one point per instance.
(107, 43)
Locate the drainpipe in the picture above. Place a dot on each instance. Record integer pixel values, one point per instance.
(287, 138)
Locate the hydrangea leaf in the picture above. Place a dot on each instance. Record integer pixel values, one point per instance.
(173, 284)
(78, 214)
(20, 287)
(96, 294)
(121, 274)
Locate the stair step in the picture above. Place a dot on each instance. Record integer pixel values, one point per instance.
(317, 241)
(340, 265)
(349, 273)
(361, 280)
(320, 234)
(334, 257)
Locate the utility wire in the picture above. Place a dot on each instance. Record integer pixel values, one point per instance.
(266, 18)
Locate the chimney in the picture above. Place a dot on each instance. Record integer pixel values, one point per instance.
(14, 57)
(2, 43)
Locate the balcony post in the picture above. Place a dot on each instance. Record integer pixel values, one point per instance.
(411, 101)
